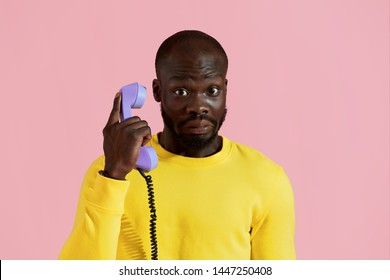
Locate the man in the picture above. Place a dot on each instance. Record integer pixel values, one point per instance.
(215, 199)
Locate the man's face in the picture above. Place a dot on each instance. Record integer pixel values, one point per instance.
(192, 91)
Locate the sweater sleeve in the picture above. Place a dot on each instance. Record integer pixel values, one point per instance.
(273, 235)
(97, 224)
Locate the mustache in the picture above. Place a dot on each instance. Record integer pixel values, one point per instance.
(194, 116)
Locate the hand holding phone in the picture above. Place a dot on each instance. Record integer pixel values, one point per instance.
(133, 96)
(124, 137)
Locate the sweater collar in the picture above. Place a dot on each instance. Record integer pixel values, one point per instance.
(169, 157)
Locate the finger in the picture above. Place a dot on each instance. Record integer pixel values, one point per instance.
(132, 124)
(148, 136)
(115, 112)
(129, 122)
(146, 139)
(145, 133)
(139, 130)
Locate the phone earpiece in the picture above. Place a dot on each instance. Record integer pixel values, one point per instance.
(133, 96)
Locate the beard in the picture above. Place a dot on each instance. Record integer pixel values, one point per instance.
(194, 142)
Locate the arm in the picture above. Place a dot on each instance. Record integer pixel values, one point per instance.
(273, 236)
(98, 219)
(101, 205)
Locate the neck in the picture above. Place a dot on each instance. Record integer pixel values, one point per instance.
(171, 143)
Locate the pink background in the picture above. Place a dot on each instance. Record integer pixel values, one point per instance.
(308, 86)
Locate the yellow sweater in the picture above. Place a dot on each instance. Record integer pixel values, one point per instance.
(236, 204)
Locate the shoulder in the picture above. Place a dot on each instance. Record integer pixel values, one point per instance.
(253, 156)
(270, 176)
(95, 167)
(98, 163)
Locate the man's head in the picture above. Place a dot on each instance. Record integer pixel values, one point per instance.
(191, 69)
(189, 37)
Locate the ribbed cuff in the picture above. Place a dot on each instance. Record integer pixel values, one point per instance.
(108, 193)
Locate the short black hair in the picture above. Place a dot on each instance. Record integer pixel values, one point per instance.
(185, 35)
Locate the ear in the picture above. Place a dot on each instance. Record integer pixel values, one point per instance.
(156, 90)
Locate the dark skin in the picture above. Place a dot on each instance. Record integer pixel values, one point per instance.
(191, 82)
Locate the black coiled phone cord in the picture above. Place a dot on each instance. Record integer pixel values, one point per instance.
(153, 216)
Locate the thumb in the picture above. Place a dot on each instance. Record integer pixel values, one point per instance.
(115, 112)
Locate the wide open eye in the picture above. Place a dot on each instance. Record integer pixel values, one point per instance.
(181, 92)
(213, 91)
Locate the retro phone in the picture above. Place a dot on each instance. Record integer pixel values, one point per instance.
(133, 96)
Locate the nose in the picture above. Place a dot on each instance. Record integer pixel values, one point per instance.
(197, 104)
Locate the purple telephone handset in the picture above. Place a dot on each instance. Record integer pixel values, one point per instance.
(133, 96)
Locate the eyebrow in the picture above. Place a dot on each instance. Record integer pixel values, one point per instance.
(189, 77)
(180, 78)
